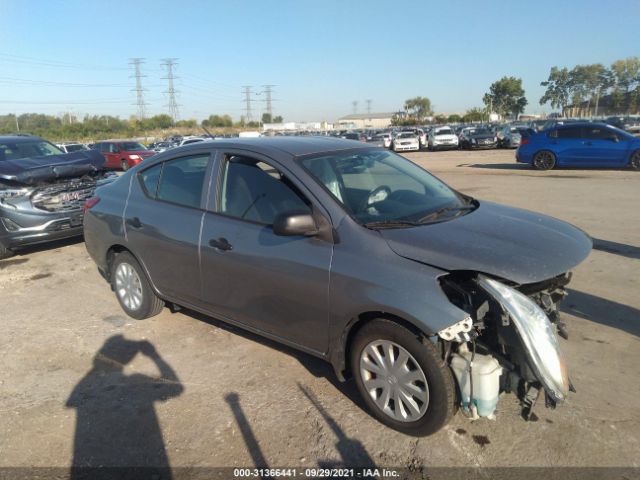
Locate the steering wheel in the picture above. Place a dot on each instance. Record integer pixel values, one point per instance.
(376, 195)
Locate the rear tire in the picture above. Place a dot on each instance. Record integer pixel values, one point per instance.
(132, 289)
(634, 161)
(422, 360)
(544, 160)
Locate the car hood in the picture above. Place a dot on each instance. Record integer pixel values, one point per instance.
(33, 170)
(445, 136)
(510, 243)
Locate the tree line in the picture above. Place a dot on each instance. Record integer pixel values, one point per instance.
(581, 88)
(100, 127)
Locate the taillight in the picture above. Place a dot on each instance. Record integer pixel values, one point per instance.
(524, 140)
(89, 203)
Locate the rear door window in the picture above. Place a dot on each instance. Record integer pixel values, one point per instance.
(569, 132)
(182, 180)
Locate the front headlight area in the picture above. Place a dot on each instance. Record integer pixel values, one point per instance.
(511, 345)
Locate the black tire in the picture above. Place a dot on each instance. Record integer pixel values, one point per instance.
(544, 160)
(440, 382)
(151, 304)
(5, 252)
(634, 162)
(124, 165)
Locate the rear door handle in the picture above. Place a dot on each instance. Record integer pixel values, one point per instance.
(134, 222)
(221, 244)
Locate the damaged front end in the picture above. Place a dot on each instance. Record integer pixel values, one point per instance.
(508, 342)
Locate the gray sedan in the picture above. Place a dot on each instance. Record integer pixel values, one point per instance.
(426, 297)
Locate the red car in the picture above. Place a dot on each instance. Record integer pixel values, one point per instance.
(122, 154)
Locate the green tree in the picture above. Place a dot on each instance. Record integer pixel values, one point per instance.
(626, 80)
(418, 108)
(266, 118)
(506, 97)
(474, 115)
(558, 88)
(454, 118)
(277, 119)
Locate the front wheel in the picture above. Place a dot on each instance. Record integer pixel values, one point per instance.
(634, 161)
(5, 252)
(401, 378)
(544, 160)
(132, 288)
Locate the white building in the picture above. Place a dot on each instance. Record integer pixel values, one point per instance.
(365, 120)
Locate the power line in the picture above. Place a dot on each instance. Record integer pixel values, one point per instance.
(137, 62)
(169, 63)
(268, 90)
(246, 90)
(368, 106)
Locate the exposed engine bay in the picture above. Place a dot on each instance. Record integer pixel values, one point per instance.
(508, 343)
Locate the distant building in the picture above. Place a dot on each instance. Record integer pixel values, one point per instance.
(365, 120)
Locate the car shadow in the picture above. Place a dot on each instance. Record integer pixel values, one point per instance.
(496, 166)
(622, 249)
(603, 311)
(315, 366)
(117, 430)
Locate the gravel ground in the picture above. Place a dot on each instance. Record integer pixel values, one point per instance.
(198, 393)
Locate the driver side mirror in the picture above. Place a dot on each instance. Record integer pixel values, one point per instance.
(295, 224)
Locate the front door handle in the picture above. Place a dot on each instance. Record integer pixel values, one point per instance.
(220, 244)
(134, 222)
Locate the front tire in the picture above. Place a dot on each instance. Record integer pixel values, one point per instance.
(402, 379)
(544, 160)
(634, 161)
(5, 252)
(132, 289)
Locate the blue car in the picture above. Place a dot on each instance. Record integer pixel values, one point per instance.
(582, 144)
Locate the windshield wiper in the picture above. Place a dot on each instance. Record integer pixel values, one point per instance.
(440, 211)
(391, 224)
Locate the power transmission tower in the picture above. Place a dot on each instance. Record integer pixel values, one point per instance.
(355, 106)
(368, 106)
(246, 90)
(137, 62)
(268, 91)
(169, 63)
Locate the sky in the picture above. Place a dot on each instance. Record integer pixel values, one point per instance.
(58, 56)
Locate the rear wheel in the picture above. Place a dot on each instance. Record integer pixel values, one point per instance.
(544, 160)
(634, 161)
(132, 288)
(401, 378)
(124, 165)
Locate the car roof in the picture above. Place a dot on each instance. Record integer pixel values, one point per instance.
(295, 146)
(18, 138)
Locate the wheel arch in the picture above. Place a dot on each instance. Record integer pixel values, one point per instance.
(117, 248)
(342, 349)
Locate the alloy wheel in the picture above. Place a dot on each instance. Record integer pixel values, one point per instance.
(394, 380)
(128, 286)
(544, 160)
(635, 160)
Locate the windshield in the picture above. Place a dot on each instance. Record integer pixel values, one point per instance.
(76, 148)
(406, 135)
(132, 146)
(444, 131)
(21, 149)
(378, 186)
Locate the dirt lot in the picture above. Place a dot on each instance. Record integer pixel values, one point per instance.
(229, 398)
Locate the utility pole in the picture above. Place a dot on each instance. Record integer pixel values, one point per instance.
(17, 124)
(169, 63)
(137, 62)
(268, 91)
(368, 106)
(355, 106)
(246, 90)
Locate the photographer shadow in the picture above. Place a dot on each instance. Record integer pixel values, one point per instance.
(117, 430)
